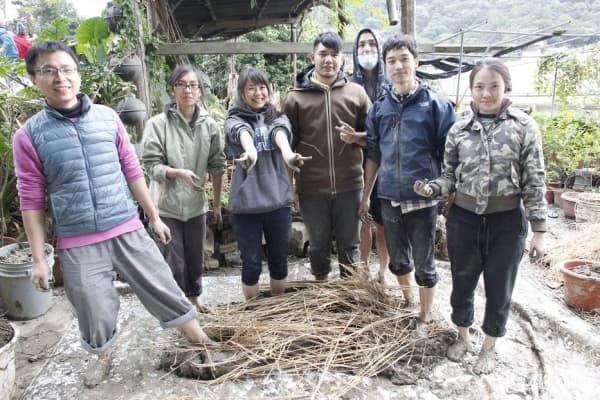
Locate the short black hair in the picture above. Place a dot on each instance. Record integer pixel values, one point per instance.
(331, 40)
(47, 46)
(399, 41)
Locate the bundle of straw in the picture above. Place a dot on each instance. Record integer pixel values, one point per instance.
(351, 326)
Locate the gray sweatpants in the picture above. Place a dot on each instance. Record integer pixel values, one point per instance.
(88, 281)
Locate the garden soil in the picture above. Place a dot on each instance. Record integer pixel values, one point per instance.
(550, 352)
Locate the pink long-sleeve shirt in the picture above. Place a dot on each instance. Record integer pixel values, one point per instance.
(31, 184)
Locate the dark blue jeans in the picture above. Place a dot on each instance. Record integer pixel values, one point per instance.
(249, 230)
(491, 244)
(326, 217)
(410, 239)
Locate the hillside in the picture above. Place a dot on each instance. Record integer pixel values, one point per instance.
(436, 20)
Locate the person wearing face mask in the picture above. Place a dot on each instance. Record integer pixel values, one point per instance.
(369, 72)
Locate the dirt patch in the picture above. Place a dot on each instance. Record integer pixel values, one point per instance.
(589, 270)
(21, 255)
(6, 332)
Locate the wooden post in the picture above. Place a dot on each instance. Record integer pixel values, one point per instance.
(143, 88)
(407, 17)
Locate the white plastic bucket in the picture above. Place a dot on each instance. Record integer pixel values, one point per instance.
(21, 300)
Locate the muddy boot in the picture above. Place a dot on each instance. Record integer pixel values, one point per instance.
(97, 369)
(458, 349)
(486, 362)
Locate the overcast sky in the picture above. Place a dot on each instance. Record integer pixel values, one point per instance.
(85, 8)
(89, 8)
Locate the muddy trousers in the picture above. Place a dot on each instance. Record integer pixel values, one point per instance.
(325, 217)
(492, 245)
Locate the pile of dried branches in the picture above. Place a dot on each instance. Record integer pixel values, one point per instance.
(351, 326)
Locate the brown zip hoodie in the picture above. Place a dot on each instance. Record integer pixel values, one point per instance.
(314, 110)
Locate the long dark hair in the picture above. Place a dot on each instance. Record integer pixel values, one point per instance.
(257, 77)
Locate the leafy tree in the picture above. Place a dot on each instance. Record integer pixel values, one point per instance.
(573, 76)
(42, 13)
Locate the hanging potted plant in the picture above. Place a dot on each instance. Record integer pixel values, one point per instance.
(129, 68)
(113, 17)
(131, 110)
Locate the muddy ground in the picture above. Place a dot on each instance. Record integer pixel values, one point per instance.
(550, 352)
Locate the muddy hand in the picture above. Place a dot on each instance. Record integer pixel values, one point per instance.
(363, 214)
(247, 161)
(347, 133)
(161, 230)
(295, 161)
(537, 247)
(422, 188)
(39, 276)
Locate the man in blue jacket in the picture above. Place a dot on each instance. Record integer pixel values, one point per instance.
(406, 133)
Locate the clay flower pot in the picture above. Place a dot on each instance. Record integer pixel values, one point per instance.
(582, 290)
(569, 199)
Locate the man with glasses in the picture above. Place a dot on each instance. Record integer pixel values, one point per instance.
(328, 113)
(78, 156)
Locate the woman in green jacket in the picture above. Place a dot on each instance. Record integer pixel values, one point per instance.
(182, 145)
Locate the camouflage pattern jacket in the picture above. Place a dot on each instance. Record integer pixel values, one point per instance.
(495, 169)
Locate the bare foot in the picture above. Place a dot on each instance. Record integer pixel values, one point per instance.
(458, 349)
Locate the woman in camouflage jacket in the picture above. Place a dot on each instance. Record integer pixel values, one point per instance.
(493, 163)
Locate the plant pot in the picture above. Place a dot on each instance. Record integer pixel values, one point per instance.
(4, 240)
(131, 110)
(581, 291)
(7, 362)
(549, 195)
(569, 199)
(558, 196)
(57, 272)
(130, 68)
(113, 17)
(587, 208)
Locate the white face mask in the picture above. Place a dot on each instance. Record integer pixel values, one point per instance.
(368, 61)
